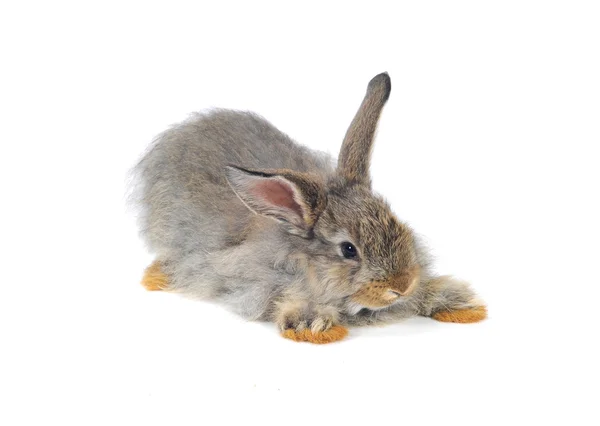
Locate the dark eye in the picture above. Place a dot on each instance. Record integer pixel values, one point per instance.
(348, 250)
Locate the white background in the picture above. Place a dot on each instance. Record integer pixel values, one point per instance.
(487, 147)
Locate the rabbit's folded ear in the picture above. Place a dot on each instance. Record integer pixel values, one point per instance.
(285, 195)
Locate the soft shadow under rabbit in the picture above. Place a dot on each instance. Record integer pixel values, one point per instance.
(238, 213)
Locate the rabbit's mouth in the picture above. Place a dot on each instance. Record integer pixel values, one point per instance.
(383, 293)
(355, 307)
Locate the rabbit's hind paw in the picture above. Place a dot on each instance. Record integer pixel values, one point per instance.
(154, 279)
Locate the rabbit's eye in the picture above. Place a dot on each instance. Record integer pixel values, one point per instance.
(348, 250)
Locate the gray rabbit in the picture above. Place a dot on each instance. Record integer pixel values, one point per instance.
(238, 213)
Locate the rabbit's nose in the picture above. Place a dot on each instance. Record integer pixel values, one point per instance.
(404, 283)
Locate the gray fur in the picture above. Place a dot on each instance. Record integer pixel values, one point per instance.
(285, 264)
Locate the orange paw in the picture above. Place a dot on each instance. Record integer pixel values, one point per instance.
(462, 315)
(154, 279)
(335, 333)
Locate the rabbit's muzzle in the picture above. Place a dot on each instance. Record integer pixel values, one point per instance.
(382, 293)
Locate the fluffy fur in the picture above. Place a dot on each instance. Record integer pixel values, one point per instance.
(238, 213)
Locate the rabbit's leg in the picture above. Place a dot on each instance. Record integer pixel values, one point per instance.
(301, 322)
(154, 279)
(450, 300)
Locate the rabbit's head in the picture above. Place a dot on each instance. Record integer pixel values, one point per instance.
(356, 248)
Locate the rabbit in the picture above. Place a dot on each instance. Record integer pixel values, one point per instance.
(238, 213)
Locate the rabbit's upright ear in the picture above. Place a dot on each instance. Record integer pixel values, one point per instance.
(285, 195)
(355, 155)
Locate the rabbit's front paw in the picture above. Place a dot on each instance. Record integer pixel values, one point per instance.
(475, 311)
(332, 334)
(302, 325)
(452, 300)
(463, 316)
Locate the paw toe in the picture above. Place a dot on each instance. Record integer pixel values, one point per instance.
(321, 324)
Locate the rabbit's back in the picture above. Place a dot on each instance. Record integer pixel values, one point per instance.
(186, 202)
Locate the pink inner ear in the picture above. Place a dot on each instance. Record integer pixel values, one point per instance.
(278, 194)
